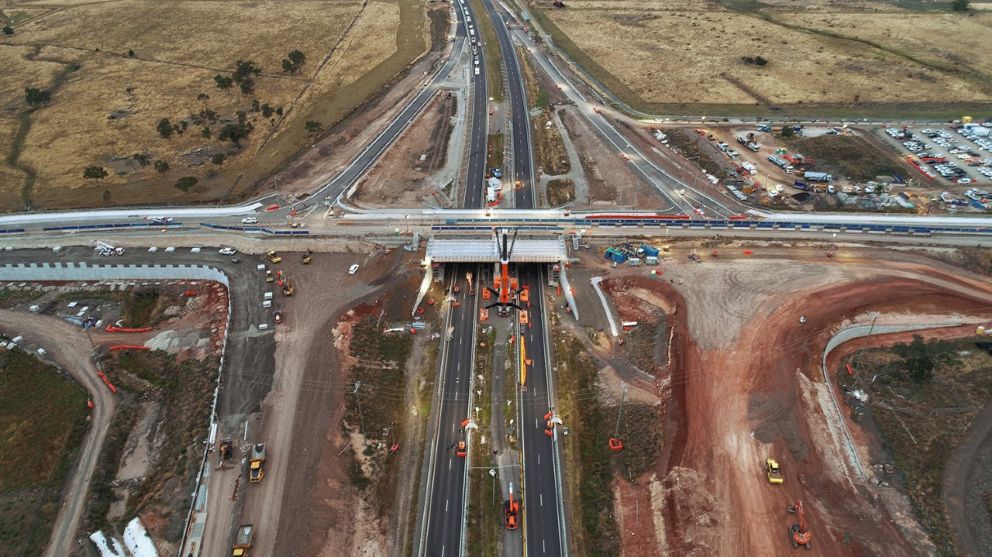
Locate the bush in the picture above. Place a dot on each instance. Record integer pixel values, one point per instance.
(161, 166)
(218, 158)
(223, 81)
(36, 97)
(186, 182)
(94, 173)
(960, 5)
(234, 133)
(165, 128)
(313, 128)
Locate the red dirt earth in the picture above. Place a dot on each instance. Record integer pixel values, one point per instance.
(729, 408)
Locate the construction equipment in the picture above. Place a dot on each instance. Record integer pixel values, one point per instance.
(273, 257)
(256, 465)
(471, 290)
(243, 540)
(288, 288)
(773, 471)
(461, 449)
(695, 257)
(798, 533)
(269, 277)
(511, 512)
(307, 257)
(505, 288)
(614, 443)
(550, 421)
(278, 317)
(830, 253)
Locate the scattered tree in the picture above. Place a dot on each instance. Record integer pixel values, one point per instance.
(922, 358)
(205, 132)
(161, 166)
(223, 81)
(130, 53)
(36, 97)
(141, 159)
(267, 110)
(234, 133)
(8, 30)
(247, 86)
(961, 5)
(203, 97)
(94, 173)
(293, 62)
(186, 182)
(165, 128)
(244, 69)
(313, 128)
(106, 195)
(759, 61)
(279, 111)
(787, 131)
(218, 158)
(255, 107)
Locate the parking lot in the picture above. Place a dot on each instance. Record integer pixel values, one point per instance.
(960, 154)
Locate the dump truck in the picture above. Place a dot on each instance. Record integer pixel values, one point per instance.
(243, 540)
(273, 257)
(773, 471)
(256, 465)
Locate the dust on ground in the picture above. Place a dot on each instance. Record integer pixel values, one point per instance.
(407, 176)
(611, 181)
(745, 384)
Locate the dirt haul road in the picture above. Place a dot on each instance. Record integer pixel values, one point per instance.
(746, 384)
(68, 346)
(295, 416)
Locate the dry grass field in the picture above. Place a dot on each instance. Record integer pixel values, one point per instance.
(690, 52)
(115, 69)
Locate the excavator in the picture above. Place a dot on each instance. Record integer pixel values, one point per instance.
(511, 512)
(798, 533)
(506, 287)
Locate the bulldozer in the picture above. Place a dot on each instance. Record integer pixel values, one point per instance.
(307, 257)
(798, 534)
(773, 471)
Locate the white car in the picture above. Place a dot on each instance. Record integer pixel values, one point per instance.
(227, 251)
(353, 269)
(249, 220)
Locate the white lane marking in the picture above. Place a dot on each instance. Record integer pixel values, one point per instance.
(445, 505)
(449, 464)
(541, 497)
(543, 549)
(538, 459)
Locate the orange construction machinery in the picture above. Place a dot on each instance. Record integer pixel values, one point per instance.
(511, 512)
(798, 533)
(505, 287)
(524, 362)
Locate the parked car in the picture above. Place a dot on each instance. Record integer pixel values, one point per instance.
(353, 269)
(249, 220)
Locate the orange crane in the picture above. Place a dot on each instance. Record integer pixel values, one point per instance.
(511, 510)
(798, 533)
(506, 287)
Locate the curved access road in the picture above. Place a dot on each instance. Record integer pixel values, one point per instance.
(70, 348)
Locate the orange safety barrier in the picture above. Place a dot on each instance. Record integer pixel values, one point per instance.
(483, 314)
(524, 317)
(850, 370)
(110, 385)
(120, 347)
(113, 329)
(271, 208)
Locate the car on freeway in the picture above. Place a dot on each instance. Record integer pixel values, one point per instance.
(353, 269)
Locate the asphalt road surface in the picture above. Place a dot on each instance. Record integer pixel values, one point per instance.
(447, 482)
(542, 506)
(522, 167)
(474, 188)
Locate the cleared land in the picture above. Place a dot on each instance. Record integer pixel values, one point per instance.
(141, 61)
(689, 56)
(43, 419)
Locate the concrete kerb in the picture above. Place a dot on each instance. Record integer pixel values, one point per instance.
(83, 272)
(854, 332)
(606, 305)
(468, 432)
(556, 451)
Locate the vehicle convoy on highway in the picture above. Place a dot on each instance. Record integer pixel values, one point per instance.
(519, 315)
